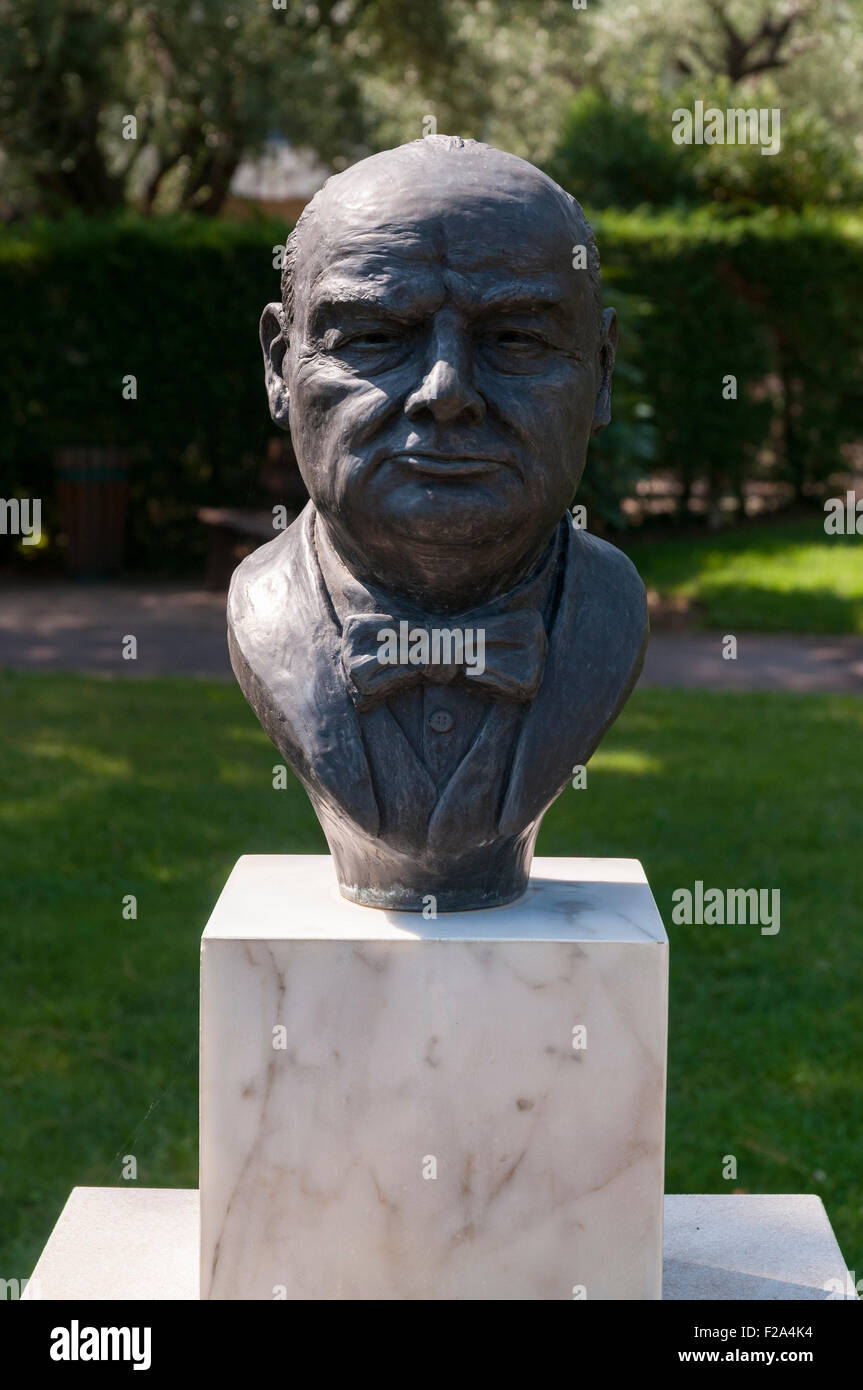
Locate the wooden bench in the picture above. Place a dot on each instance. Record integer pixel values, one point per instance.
(233, 534)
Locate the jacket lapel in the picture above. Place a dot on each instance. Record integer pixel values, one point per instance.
(595, 654)
(473, 792)
(285, 649)
(405, 790)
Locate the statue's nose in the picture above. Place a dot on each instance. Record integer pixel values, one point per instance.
(447, 392)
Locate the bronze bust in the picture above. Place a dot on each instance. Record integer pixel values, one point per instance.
(433, 645)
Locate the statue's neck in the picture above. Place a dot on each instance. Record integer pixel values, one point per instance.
(456, 585)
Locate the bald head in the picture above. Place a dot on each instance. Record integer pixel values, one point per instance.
(441, 358)
(437, 175)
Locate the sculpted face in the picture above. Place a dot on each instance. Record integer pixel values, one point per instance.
(444, 370)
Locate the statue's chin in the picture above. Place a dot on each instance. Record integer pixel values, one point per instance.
(447, 548)
(450, 580)
(440, 522)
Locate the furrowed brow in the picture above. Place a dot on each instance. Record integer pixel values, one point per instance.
(521, 298)
(327, 310)
(347, 300)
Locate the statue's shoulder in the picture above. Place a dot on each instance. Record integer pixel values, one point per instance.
(605, 601)
(596, 650)
(274, 585)
(600, 559)
(285, 650)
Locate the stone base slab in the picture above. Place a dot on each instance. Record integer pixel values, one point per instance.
(142, 1243)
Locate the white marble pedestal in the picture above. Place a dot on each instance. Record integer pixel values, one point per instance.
(466, 1107)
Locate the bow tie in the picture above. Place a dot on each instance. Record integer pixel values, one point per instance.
(501, 655)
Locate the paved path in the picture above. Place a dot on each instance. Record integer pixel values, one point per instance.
(693, 660)
(181, 631)
(65, 627)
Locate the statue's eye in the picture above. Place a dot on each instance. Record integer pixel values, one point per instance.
(343, 342)
(511, 340)
(374, 338)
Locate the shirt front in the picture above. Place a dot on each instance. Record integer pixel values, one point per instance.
(440, 722)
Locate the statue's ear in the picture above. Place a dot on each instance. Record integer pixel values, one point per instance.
(274, 341)
(607, 350)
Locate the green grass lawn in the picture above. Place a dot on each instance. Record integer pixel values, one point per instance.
(155, 788)
(774, 577)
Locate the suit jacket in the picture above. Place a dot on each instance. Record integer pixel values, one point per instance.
(398, 838)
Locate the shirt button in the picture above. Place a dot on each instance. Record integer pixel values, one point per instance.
(441, 721)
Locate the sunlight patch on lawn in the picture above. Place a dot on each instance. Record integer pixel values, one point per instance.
(800, 568)
(774, 578)
(626, 760)
(81, 757)
(244, 774)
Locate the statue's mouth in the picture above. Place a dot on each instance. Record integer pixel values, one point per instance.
(435, 465)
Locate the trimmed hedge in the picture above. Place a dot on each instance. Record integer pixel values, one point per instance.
(174, 302)
(773, 299)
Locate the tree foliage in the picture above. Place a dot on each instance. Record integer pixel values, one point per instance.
(620, 68)
(207, 82)
(211, 81)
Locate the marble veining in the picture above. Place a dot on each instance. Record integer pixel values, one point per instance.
(424, 1127)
